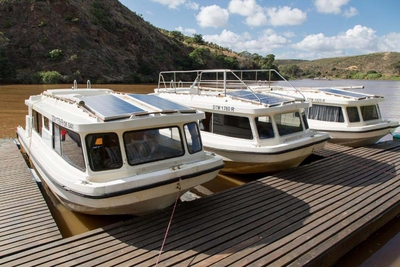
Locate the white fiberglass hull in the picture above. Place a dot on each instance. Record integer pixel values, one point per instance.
(136, 203)
(130, 195)
(259, 160)
(357, 136)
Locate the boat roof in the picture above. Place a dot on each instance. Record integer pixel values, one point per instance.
(107, 105)
(114, 106)
(347, 93)
(266, 99)
(240, 85)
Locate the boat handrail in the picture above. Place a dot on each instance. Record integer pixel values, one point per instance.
(201, 81)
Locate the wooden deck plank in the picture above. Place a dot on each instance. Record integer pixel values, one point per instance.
(324, 225)
(130, 255)
(308, 202)
(296, 217)
(25, 221)
(366, 189)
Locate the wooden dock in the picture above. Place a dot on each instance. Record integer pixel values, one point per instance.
(25, 220)
(310, 215)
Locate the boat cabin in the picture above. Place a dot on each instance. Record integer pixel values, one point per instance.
(337, 105)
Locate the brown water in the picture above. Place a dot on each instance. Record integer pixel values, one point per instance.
(380, 249)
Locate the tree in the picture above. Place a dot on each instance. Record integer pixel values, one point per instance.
(7, 71)
(396, 67)
(292, 70)
(200, 56)
(198, 39)
(177, 35)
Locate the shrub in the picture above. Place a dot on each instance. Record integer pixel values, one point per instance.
(373, 76)
(55, 54)
(358, 75)
(50, 77)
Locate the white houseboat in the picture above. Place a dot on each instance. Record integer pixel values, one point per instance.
(103, 152)
(252, 132)
(351, 118)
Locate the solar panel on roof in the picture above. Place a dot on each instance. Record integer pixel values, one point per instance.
(109, 107)
(258, 97)
(158, 102)
(343, 93)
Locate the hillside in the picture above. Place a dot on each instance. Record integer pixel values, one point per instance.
(100, 40)
(386, 64)
(58, 41)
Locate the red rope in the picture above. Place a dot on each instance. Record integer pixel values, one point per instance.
(170, 221)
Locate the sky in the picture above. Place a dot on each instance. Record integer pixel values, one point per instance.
(289, 29)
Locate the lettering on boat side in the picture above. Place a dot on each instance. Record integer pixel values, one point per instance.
(224, 108)
(62, 122)
(316, 99)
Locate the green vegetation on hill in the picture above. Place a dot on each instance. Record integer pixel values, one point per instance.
(370, 66)
(58, 41)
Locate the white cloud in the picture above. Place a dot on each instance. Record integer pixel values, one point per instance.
(212, 16)
(243, 7)
(257, 19)
(351, 12)
(359, 38)
(192, 5)
(257, 16)
(263, 44)
(389, 42)
(186, 30)
(170, 3)
(226, 38)
(289, 34)
(330, 6)
(286, 16)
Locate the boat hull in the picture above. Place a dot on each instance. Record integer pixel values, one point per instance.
(137, 203)
(358, 138)
(126, 197)
(253, 162)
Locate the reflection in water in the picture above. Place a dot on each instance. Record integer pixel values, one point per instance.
(73, 223)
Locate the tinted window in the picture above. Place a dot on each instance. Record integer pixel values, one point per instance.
(68, 145)
(153, 144)
(233, 126)
(288, 123)
(352, 112)
(104, 151)
(325, 113)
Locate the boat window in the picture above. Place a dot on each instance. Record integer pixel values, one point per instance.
(46, 123)
(206, 122)
(288, 123)
(233, 126)
(304, 118)
(153, 144)
(104, 151)
(192, 135)
(37, 122)
(325, 113)
(264, 127)
(352, 112)
(369, 113)
(67, 144)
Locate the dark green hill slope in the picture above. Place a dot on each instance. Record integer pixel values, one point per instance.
(56, 41)
(100, 40)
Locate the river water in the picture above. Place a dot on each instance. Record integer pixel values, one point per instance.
(381, 249)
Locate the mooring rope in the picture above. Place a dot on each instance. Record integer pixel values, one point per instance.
(170, 221)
